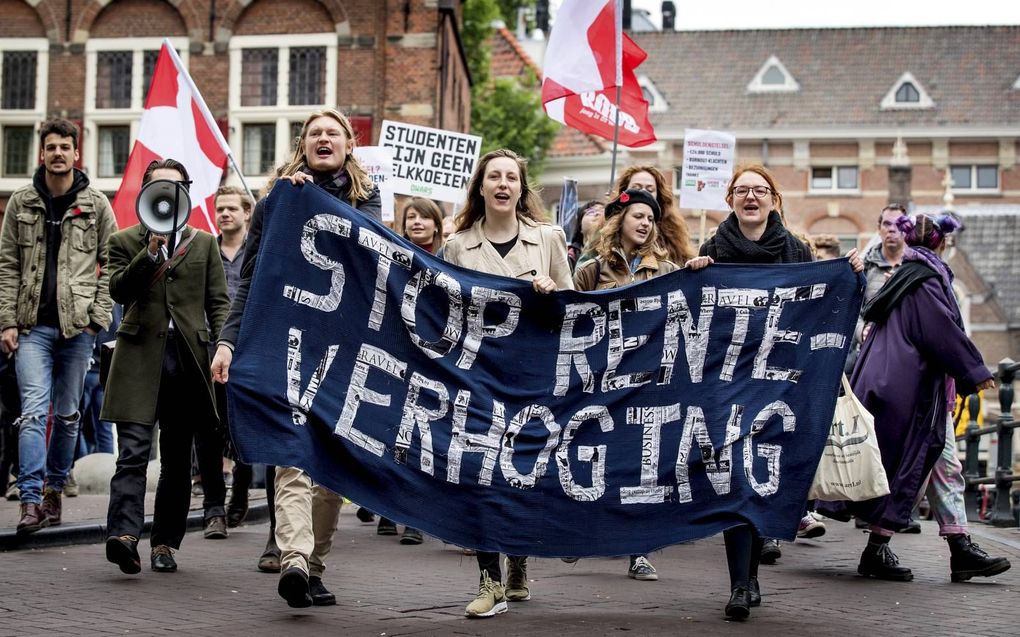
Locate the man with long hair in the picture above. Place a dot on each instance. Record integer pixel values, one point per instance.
(306, 513)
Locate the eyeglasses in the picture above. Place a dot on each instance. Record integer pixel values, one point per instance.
(759, 191)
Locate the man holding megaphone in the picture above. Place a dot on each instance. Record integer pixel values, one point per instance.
(170, 279)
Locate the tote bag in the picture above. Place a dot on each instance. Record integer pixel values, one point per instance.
(851, 464)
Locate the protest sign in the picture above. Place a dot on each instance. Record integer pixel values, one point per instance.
(570, 424)
(429, 162)
(378, 163)
(707, 169)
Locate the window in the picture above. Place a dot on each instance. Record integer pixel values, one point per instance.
(19, 77)
(275, 80)
(307, 75)
(113, 79)
(907, 93)
(148, 70)
(258, 75)
(18, 151)
(974, 178)
(772, 77)
(829, 178)
(259, 148)
(114, 147)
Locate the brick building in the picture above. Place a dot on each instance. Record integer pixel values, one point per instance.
(261, 65)
(849, 120)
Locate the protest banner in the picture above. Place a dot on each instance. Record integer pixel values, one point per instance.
(571, 424)
(378, 163)
(707, 169)
(429, 162)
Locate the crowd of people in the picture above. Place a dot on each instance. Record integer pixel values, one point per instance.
(67, 274)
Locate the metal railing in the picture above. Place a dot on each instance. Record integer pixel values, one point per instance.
(1002, 514)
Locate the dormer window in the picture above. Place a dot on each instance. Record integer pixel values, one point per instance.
(656, 102)
(773, 77)
(907, 93)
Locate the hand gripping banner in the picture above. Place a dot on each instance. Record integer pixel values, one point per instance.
(571, 424)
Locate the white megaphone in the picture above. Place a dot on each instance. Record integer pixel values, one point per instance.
(163, 206)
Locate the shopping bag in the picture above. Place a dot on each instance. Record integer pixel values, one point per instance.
(851, 464)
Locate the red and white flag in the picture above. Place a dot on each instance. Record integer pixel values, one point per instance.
(177, 125)
(588, 56)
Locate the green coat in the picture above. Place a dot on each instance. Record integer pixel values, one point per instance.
(193, 292)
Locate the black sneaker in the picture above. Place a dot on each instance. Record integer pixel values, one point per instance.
(770, 551)
(293, 587)
(968, 560)
(912, 527)
(880, 562)
(365, 515)
(320, 596)
(386, 527)
(411, 536)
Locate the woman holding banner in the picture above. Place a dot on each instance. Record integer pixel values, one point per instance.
(673, 234)
(755, 232)
(501, 230)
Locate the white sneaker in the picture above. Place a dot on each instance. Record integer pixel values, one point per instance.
(810, 527)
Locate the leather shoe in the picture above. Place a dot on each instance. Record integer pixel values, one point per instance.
(755, 591)
(739, 606)
(293, 587)
(163, 559)
(269, 562)
(32, 519)
(215, 528)
(320, 596)
(237, 509)
(123, 551)
(365, 515)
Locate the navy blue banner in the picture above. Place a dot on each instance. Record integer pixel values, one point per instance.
(571, 424)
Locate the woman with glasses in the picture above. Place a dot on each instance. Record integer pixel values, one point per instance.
(755, 232)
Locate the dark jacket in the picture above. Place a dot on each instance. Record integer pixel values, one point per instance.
(193, 293)
(902, 378)
(371, 207)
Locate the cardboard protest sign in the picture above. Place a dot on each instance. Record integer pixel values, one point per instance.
(707, 168)
(430, 162)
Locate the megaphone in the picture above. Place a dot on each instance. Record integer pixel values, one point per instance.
(163, 206)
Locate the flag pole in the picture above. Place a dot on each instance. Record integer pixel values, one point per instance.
(619, 82)
(240, 176)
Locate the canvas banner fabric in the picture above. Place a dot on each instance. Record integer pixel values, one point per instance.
(571, 424)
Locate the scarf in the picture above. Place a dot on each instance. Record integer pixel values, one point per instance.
(776, 244)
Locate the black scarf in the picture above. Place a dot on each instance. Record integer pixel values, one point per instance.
(336, 184)
(776, 244)
(908, 277)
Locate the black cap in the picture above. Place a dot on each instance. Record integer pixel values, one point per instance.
(633, 196)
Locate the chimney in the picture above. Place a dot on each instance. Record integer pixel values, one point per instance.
(627, 10)
(668, 16)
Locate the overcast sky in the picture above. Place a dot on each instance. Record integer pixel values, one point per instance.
(773, 14)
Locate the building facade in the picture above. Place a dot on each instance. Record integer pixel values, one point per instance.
(848, 120)
(261, 66)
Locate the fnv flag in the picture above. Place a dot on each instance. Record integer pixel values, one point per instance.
(176, 124)
(571, 424)
(587, 58)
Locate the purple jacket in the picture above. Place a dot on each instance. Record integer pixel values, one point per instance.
(901, 378)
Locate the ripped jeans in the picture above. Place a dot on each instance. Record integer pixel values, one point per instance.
(51, 369)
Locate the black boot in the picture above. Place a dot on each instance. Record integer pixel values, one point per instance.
(968, 560)
(880, 562)
(739, 606)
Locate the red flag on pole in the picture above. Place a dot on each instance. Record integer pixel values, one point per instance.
(176, 124)
(583, 67)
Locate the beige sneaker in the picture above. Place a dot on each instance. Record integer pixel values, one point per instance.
(517, 579)
(490, 600)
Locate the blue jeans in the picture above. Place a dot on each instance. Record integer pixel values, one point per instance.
(51, 369)
(96, 435)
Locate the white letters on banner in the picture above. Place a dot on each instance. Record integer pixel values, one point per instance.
(707, 168)
(429, 162)
(378, 163)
